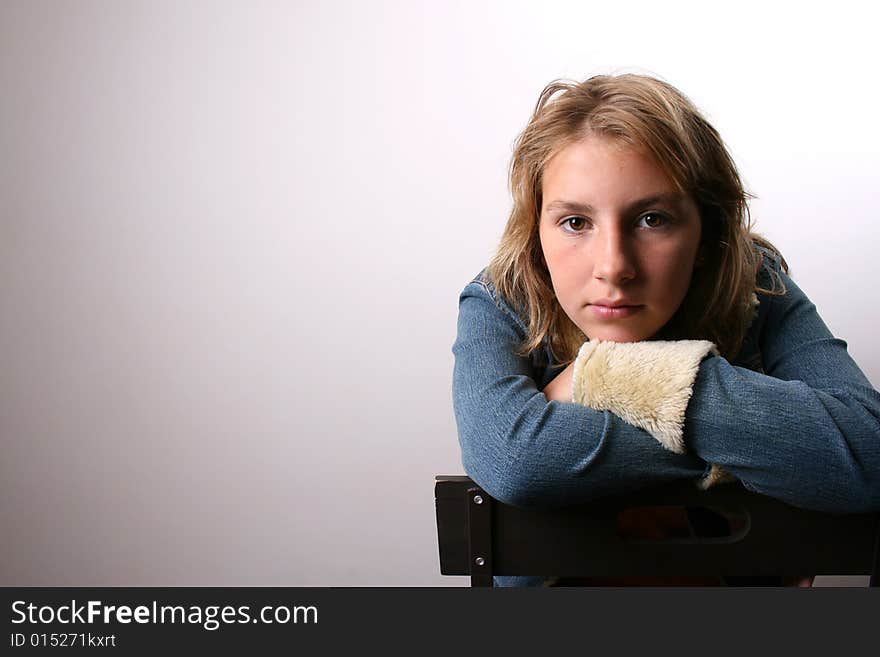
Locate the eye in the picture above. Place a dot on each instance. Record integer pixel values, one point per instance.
(654, 220)
(574, 224)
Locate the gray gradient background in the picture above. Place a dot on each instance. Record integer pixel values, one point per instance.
(232, 238)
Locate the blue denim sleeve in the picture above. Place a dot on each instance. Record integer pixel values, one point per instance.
(807, 430)
(525, 450)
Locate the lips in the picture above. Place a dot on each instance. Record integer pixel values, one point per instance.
(614, 311)
(619, 303)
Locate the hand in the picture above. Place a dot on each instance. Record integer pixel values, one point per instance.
(559, 389)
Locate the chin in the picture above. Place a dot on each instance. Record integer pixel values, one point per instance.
(612, 337)
(615, 336)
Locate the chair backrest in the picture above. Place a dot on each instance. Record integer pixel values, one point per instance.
(482, 537)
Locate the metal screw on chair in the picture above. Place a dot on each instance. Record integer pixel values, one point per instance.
(480, 561)
(478, 499)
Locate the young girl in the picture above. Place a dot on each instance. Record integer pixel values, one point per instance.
(632, 329)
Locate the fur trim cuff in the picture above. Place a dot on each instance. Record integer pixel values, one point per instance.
(648, 384)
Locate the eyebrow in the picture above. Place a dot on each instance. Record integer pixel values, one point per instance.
(669, 198)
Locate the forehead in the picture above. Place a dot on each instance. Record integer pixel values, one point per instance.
(597, 164)
(595, 153)
(597, 171)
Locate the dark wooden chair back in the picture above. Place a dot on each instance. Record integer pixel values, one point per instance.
(482, 537)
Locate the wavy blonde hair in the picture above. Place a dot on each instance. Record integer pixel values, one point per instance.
(652, 115)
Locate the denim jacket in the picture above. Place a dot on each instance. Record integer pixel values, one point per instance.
(792, 416)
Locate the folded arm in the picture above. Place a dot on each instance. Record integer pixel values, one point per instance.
(526, 450)
(807, 431)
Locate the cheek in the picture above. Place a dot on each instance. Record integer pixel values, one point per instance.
(676, 280)
(565, 269)
(678, 262)
(554, 257)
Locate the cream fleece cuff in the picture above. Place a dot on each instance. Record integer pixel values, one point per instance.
(648, 384)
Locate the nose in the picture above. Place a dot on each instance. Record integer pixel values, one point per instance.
(613, 260)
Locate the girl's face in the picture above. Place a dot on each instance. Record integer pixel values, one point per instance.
(619, 241)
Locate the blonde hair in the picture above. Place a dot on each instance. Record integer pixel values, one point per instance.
(652, 115)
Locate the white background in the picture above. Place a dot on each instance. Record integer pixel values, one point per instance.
(233, 235)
